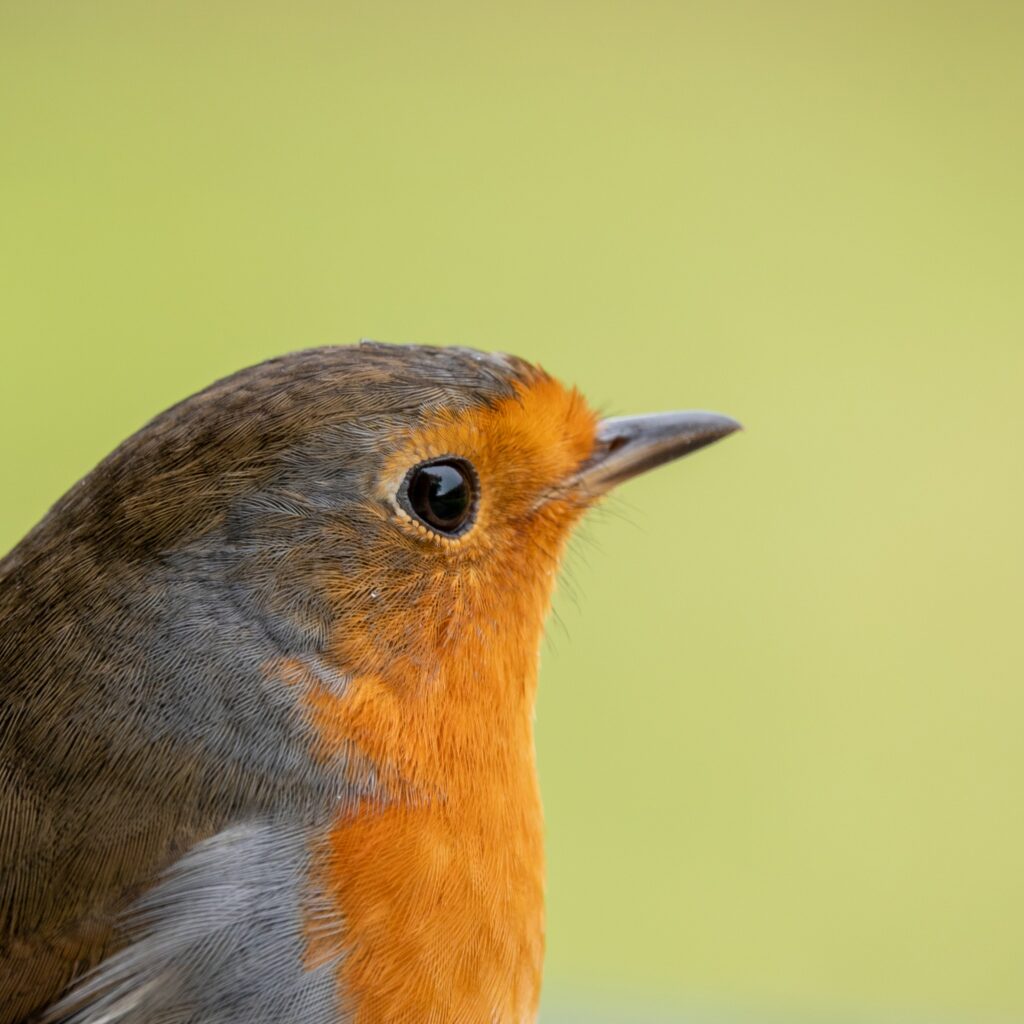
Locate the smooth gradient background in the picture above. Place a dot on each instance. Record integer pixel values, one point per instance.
(781, 719)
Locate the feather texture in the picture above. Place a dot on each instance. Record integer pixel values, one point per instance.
(218, 940)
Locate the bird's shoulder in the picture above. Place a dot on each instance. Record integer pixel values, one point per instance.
(222, 936)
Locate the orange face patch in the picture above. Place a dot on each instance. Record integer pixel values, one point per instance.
(438, 887)
(522, 448)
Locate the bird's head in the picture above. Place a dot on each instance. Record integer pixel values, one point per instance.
(456, 524)
(397, 513)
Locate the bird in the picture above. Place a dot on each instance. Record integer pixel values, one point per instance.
(267, 680)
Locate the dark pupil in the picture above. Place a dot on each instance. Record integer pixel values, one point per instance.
(440, 495)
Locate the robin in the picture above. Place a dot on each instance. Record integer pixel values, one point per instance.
(267, 682)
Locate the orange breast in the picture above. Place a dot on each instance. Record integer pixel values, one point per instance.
(438, 890)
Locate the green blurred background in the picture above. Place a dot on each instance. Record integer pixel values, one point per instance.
(780, 727)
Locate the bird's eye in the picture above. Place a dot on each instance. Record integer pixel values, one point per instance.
(442, 495)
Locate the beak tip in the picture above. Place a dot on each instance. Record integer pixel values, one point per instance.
(727, 425)
(707, 429)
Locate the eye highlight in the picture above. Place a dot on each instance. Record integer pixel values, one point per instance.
(442, 495)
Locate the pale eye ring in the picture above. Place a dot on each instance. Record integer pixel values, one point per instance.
(441, 494)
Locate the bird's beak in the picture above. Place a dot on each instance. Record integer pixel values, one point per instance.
(626, 446)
